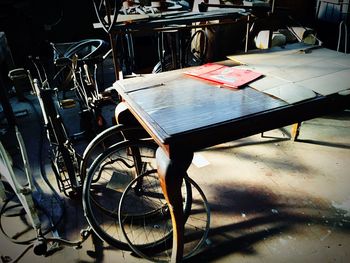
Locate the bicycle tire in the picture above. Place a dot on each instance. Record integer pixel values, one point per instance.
(139, 226)
(195, 57)
(100, 143)
(105, 182)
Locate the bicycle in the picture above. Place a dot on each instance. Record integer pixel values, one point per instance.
(42, 220)
(64, 159)
(126, 168)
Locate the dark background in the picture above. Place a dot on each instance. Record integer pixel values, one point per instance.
(30, 25)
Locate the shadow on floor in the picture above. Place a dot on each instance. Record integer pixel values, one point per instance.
(265, 216)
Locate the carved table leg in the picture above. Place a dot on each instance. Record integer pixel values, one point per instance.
(171, 173)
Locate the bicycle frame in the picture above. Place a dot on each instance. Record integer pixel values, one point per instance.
(84, 84)
(82, 76)
(59, 140)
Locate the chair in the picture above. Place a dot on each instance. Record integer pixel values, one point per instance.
(336, 11)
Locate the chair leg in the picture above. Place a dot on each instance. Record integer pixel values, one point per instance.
(318, 9)
(295, 131)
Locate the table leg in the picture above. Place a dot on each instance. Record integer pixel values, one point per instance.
(113, 43)
(171, 173)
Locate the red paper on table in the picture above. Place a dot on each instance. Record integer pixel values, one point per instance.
(200, 70)
(224, 75)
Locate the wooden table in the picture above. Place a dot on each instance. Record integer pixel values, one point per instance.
(184, 114)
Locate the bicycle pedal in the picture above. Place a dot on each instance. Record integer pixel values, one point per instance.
(67, 103)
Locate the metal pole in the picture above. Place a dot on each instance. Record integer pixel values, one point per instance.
(273, 6)
(115, 54)
(247, 34)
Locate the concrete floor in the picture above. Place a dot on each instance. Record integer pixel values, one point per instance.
(271, 199)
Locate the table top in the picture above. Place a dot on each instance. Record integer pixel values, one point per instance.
(299, 71)
(185, 112)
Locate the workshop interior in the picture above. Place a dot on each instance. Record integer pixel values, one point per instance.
(174, 131)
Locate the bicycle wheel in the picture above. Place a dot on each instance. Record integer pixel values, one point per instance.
(196, 48)
(105, 182)
(145, 222)
(102, 142)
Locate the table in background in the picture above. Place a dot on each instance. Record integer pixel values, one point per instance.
(173, 20)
